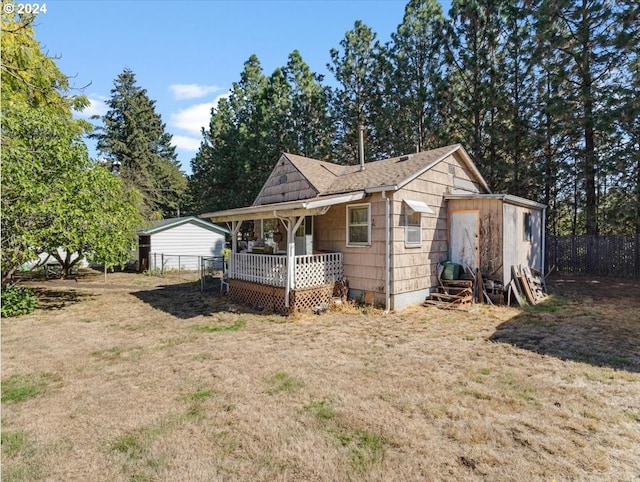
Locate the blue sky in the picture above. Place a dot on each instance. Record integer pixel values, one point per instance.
(188, 53)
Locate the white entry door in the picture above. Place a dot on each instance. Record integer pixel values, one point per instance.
(464, 238)
(304, 237)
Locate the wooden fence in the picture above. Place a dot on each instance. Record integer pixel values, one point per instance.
(607, 256)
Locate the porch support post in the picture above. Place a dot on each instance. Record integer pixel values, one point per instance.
(235, 225)
(235, 228)
(291, 224)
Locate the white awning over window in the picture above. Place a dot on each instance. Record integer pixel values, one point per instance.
(418, 206)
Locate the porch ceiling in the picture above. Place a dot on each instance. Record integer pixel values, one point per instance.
(303, 207)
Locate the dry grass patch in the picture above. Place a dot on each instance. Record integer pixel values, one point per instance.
(149, 379)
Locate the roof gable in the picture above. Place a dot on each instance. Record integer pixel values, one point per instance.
(164, 224)
(324, 178)
(297, 184)
(287, 182)
(320, 174)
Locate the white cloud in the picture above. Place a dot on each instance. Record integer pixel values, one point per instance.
(192, 91)
(186, 143)
(97, 106)
(194, 118)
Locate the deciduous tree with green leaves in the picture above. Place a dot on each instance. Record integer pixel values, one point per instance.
(49, 186)
(91, 216)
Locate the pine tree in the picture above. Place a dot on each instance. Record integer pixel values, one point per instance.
(135, 145)
(233, 160)
(414, 73)
(263, 117)
(475, 58)
(310, 118)
(623, 209)
(583, 34)
(353, 101)
(516, 138)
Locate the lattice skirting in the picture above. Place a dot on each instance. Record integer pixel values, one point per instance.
(271, 298)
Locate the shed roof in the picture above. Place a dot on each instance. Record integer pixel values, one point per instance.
(507, 198)
(164, 224)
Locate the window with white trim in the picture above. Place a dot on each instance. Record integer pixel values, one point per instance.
(412, 228)
(359, 225)
(411, 219)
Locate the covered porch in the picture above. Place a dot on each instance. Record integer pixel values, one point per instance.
(310, 270)
(261, 280)
(287, 282)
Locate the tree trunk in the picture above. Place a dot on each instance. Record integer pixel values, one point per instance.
(590, 168)
(7, 275)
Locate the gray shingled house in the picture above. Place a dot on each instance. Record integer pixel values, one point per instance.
(382, 226)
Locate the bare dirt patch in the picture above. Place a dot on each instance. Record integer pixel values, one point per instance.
(145, 378)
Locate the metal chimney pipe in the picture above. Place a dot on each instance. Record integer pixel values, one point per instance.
(361, 145)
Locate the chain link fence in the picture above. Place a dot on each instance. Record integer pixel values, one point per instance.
(212, 273)
(208, 269)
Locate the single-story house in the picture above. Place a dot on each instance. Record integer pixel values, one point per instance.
(382, 226)
(179, 243)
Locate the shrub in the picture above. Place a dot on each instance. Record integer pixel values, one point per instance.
(17, 301)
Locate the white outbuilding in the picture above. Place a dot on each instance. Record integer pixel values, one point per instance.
(179, 243)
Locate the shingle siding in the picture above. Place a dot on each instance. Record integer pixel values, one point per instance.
(285, 183)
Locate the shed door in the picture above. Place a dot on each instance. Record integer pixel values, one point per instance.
(144, 248)
(464, 237)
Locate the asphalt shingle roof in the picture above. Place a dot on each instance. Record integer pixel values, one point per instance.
(328, 178)
(156, 226)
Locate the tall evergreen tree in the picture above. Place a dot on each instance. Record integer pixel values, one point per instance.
(354, 100)
(516, 139)
(135, 144)
(415, 81)
(263, 117)
(584, 35)
(310, 117)
(277, 104)
(622, 209)
(475, 58)
(218, 168)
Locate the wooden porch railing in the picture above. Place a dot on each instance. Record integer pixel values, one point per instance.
(268, 269)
